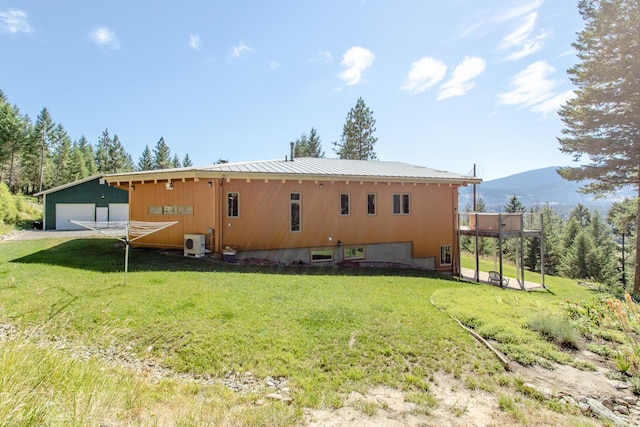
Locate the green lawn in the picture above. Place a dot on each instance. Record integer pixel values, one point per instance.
(327, 331)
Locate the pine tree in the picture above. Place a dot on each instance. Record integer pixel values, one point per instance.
(553, 250)
(88, 155)
(357, 141)
(13, 134)
(309, 146)
(603, 257)
(514, 206)
(77, 168)
(162, 155)
(145, 163)
(602, 120)
(103, 150)
(42, 137)
(175, 162)
(622, 217)
(187, 161)
(61, 144)
(577, 262)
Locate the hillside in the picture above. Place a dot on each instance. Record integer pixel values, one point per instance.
(537, 187)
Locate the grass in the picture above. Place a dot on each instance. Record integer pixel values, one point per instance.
(328, 331)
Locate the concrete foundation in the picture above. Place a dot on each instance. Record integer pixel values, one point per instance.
(383, 252)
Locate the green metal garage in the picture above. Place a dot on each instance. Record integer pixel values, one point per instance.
(88, 199)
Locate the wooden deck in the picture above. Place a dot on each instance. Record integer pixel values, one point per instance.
(514, 284)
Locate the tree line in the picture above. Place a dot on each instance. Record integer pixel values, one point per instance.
(585, 246)
(35, 156)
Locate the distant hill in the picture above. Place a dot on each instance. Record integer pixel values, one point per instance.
(537, 187)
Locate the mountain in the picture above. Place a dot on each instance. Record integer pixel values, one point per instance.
(537, 187)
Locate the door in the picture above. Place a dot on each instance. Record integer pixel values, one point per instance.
(75, 211)
(102, 214)
(118, 212)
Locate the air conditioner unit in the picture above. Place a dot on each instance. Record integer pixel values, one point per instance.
(194, 245)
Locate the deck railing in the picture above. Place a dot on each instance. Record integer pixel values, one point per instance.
(484, 221)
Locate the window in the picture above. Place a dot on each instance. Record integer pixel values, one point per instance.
(371, 204)
(233, 202)
(344, 204)
(321, 255)
(401, 204)
(355, 252)
(295, 212)
(445, 255)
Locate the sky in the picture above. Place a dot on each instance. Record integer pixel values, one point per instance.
(450, 83)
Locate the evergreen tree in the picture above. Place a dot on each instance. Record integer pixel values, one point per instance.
(88, 156)
(186, 162)
(12, 138)
(162, 155)
(577, 261)
(42, 137)
(603, 258)
(553, 250)
(145, 163)
(509, 247)
(77, 168)
(61, 144)
(514, 206)
(122, 161)
(602, 120)
(103, 150)
(622, 217)
(176, 161)
(111, 156)
(357, 141)
(309, 146)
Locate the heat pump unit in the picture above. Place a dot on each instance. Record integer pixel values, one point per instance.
(194, 245)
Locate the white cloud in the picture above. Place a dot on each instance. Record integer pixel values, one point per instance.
(105, 37)
(522, 38)
(552, 105)
(274, 65)
(356, 60)
(532, 88)
(519, 11)
(323, 56)
(14, 21)
(195, 42)
(424, 73)
(239, 49)
(463, 75)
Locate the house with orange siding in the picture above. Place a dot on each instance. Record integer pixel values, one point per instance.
(313, 210)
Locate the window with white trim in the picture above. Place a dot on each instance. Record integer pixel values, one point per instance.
(401, 204)
(233, 205)
(445, 255)
(295, 212)
(371, 204)
(345, 204)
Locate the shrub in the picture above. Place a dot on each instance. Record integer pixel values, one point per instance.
(8, 205)
(557, 330)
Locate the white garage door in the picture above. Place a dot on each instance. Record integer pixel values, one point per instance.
(76, 211)
(118, 212)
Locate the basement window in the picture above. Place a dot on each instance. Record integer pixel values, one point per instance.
(321, 255)
(354, 252)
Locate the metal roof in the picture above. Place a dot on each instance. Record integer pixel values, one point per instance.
(69, 184)
(306, 168)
